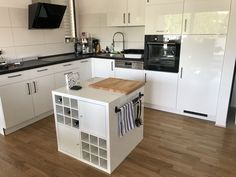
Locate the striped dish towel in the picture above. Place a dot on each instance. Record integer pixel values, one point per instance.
(126, 119)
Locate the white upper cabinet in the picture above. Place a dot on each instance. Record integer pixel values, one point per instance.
(126, 13)
(206, 16)
(164, 17)
(201, 64)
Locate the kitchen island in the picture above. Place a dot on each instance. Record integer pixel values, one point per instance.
(87, 124)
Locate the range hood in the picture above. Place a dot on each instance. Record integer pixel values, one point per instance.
(45, 16)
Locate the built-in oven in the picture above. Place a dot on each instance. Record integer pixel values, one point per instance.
(162, 53)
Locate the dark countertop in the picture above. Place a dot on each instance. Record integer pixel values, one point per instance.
(57, 59)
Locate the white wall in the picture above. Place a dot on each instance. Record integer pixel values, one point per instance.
(17, 41)
(93, 19)
(228, 69)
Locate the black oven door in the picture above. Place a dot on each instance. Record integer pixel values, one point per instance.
(161, 56)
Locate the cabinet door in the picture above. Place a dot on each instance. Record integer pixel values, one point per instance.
(161, 89)
(201, 62)
(103, 68)
(85, 69)
(117, 13)
(136, 12)
(131, 74)
(93, 118)
(42, 94)
(206, 16)
(164, 18)
(60, 78)
(68, 140)
(17, 103)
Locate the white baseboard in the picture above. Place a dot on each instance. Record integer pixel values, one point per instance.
(26, 123)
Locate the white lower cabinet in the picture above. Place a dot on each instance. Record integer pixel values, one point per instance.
(42, 94)
(85, 69)
(17, 103)
(131, 74)
(102, 68)
(68, 139)
(201, 63)
(161, 90)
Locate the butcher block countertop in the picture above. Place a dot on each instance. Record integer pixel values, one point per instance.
(118, 85)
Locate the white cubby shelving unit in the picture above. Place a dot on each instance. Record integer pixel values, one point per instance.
(87, 127)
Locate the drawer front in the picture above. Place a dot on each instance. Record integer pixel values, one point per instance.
(43, 71)
(66, 66)
(14, 77)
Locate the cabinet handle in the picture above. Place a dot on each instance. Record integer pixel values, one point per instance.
(18, 75)
(35, 88)
(42, 70)
(29, 92)
(124, 18)
(181, 73)
(145, 77)
(147, 1)
(185, 25)
(112, 66)
(162, 31)
(67, 65)
(128, 17)
(85, 61)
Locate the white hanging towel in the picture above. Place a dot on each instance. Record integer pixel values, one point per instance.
(126, 119)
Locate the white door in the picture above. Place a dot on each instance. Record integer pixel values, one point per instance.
(92, 118)
(161, 89)
(17, 103)
(164, 17)
(136, 12)
(85, 69)
(206, 16)
(42, 94)
(117, 13)
(60, 78)
(201, 62)
(103, 68)
(130, 74)
(68, 139)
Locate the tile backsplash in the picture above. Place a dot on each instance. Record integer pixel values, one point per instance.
(17, 41)
(96, 24)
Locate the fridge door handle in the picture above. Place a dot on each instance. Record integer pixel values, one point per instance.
(181, 72)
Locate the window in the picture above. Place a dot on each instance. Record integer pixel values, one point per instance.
(70, 21)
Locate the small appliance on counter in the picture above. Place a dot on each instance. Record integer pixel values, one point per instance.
(162, 53)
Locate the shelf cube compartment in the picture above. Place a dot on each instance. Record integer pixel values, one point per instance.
(66, 101)
(75, 123)
(84, 137)
(103, 163)
(94, 159)
(86, 156)
(74, 103)
(85, 146)
(94, 149)
(102, 143)
(58, 99)
(60, 119)
(67, 111)
(93, 140)
(59, 109)
(75, 114)
(103, 153)
(68, 121)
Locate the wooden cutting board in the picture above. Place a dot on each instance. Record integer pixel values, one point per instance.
(118, 85)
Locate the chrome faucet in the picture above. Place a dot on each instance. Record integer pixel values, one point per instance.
(123, 39)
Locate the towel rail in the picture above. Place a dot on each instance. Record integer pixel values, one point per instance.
(134, 101)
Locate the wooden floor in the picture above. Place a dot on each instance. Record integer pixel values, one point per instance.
(174, 146)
